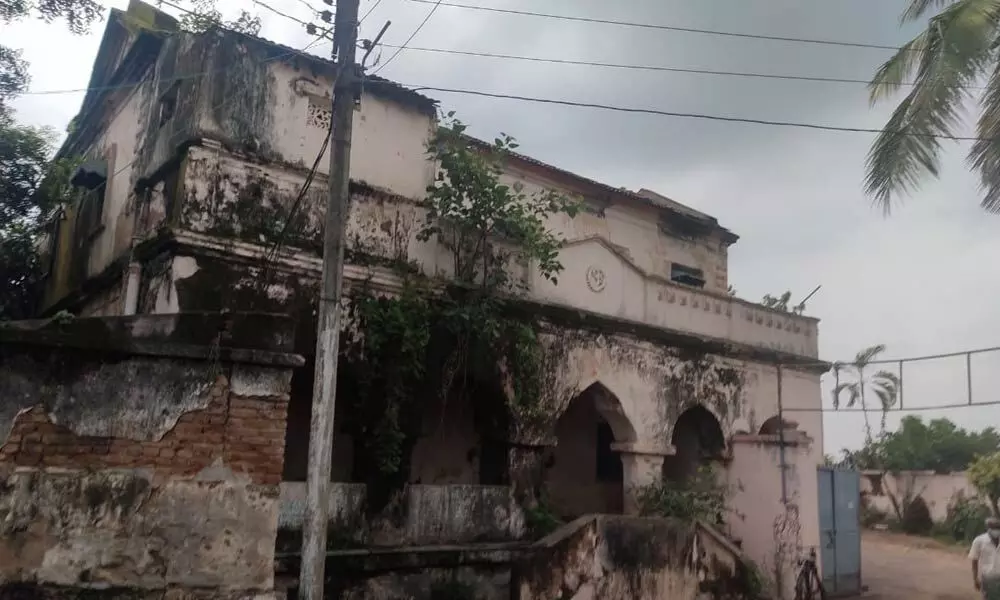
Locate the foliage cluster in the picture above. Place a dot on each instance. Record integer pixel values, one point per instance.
(460, 341)
(964, 520)
(916, 517)
(540, 520)
(938, 445)
(699, 497)
(984, 473)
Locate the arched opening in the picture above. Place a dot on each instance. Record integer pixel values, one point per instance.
(584, 474)
(698, 440)
(776, 425)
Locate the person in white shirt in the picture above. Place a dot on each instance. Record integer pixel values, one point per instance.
(985, 557)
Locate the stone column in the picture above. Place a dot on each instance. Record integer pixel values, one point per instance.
(642, 464)
(526, 464)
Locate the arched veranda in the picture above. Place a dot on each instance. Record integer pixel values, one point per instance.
(584, 472)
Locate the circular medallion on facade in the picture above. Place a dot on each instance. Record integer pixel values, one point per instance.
(596, 279)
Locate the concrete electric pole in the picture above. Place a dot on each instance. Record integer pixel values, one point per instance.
(345, 38)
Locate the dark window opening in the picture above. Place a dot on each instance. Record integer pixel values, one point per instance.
(687, 275)
(168, 105)
(609, 464)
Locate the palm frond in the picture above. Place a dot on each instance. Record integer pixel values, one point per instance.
(890, 76)
(918, 8)
(868, 354)
(854, 393)
(984, 156)
(886, 396)
(886, 376)
(953, 50)
(839, 389)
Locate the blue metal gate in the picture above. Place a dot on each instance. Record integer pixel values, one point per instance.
(840, 530)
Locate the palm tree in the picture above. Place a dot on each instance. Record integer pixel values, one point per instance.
(883, 384)
(944, 63)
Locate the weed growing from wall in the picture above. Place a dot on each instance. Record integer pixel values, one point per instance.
(699, 497)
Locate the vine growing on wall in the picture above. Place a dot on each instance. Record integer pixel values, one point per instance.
(457, 339)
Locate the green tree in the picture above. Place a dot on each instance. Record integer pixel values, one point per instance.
(984, 473)
(205, 14)
(488, 225)
(862, 383)
(956, 50)
(938, 445)
(31, 186)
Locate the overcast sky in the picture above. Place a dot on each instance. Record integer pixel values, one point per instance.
(919, 282)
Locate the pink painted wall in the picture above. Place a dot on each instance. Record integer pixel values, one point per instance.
(771, 535)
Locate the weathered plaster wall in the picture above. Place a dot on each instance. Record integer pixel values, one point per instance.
(281, 110)
(137, 459)
(634, 228)
(115, 534)
(422, 515)
(229, 198)
(628, 558)
(938, 490)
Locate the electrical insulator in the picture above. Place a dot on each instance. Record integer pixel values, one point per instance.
(310, 29)
(327, 16)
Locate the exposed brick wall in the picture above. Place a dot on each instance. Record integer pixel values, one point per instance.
(246, 433)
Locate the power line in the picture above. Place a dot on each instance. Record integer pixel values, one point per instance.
(552, 61)
(309, 6)
(437, 3)
(369, 11)
(280, 13)
(564, 61)
(892, 409)
(662, 27)
(684, 115)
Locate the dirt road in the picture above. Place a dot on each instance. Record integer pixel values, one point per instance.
(900, 567)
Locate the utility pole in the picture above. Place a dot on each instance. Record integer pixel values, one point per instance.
(345, 38)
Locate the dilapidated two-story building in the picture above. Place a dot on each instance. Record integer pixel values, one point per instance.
(193, 197)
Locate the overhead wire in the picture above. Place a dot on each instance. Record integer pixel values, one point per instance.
(280, 13)
(369, 11)
(647, 67)
(684, 115)
(430, 14)
(776, 38)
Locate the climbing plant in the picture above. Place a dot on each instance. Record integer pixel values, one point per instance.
(455, 339)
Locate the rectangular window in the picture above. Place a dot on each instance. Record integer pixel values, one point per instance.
(687, 275)
(168, 104)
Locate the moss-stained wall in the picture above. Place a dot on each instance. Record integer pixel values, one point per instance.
(141, 456)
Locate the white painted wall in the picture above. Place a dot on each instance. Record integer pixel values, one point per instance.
(938, 490)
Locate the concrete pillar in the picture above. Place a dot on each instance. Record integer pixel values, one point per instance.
(642, 465)
(526, 464)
